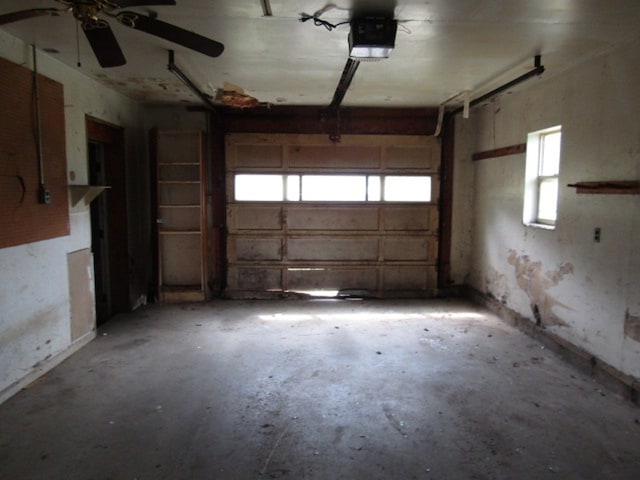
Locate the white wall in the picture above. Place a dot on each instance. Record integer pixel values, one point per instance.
(586, 292)
(35, 323)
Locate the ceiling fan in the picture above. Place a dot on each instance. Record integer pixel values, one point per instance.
(100, 36)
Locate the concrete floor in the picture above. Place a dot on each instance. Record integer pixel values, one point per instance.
(317, 389)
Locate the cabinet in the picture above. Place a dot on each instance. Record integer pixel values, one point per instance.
(181, 216)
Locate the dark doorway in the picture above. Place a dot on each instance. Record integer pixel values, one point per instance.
(109, 233)
(99, 234)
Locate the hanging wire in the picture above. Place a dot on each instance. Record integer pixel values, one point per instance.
(78, 43)
(318, 22)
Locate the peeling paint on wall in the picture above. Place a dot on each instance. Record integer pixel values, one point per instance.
(632, 326)
(535, 284)
(495, 286)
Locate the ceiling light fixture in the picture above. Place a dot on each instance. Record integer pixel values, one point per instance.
(372, 37)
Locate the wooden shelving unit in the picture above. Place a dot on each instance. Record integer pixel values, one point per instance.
(181, 219)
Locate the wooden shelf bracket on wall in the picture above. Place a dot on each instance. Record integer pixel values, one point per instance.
(612, 187)
(88, 193)
(500, 152)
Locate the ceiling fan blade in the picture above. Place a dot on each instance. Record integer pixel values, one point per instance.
(141, 3)
(103, 43)
(24, 14)
(172, 33)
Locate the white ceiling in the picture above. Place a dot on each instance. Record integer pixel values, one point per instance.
(443, 47)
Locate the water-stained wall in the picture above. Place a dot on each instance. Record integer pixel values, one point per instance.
(584, 291)
(36, 328)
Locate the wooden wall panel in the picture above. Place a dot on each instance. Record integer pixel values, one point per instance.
(22, 217)
(83, 317)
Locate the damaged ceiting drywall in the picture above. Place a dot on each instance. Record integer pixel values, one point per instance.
(535, 284)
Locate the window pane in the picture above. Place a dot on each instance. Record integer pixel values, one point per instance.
(373, 189)
(548, 200)
(550, 154)
(293, 188)
(258, 187)
(407, 189)
(348, 188)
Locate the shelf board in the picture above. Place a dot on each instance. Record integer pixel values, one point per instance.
(186, 182)
(191, 205)
(184, 164)
(179, 232)
(86, 193)
(612, 187)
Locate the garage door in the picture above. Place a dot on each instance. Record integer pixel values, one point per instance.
(307, 215)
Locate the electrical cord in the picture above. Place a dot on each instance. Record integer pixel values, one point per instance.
(318, 22)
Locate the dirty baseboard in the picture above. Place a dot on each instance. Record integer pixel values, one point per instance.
(605, 374)
(45, 367)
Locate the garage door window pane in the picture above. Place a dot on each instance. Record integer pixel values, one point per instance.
(374, 192)
(293, 188)
(259, 188)
(334, 188)
(407, 189)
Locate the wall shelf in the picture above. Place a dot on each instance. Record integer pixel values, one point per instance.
(611, 187)
(88, 193)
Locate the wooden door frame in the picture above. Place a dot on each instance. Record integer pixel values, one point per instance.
(112, 138)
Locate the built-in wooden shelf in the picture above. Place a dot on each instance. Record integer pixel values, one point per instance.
(500, 152)
(88, 193)
(611, 187)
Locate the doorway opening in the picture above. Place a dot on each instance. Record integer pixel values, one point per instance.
(99, 234)
(109, 231)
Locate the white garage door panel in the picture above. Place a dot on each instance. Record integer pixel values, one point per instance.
(386, 248)
(409, 278)
(256, 279)
(249, 217)
(327, 218)
(255, 248)
(347, 249)
(259, 156)
(332, 278)
(426, 158)
(332, 156)
(411, 219)
(407, 249)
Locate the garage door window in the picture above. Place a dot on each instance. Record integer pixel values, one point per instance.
(333, 188)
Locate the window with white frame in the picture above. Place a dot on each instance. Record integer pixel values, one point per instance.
(332, 188)
(541, 177)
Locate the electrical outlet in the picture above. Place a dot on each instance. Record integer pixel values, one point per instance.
(44, 195)
(596, 234)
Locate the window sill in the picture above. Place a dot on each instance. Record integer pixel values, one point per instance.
(542, 226)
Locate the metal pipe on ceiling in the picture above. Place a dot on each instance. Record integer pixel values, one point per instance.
(173, 68)
(349, 71)
(538, 69)
(266, 8)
